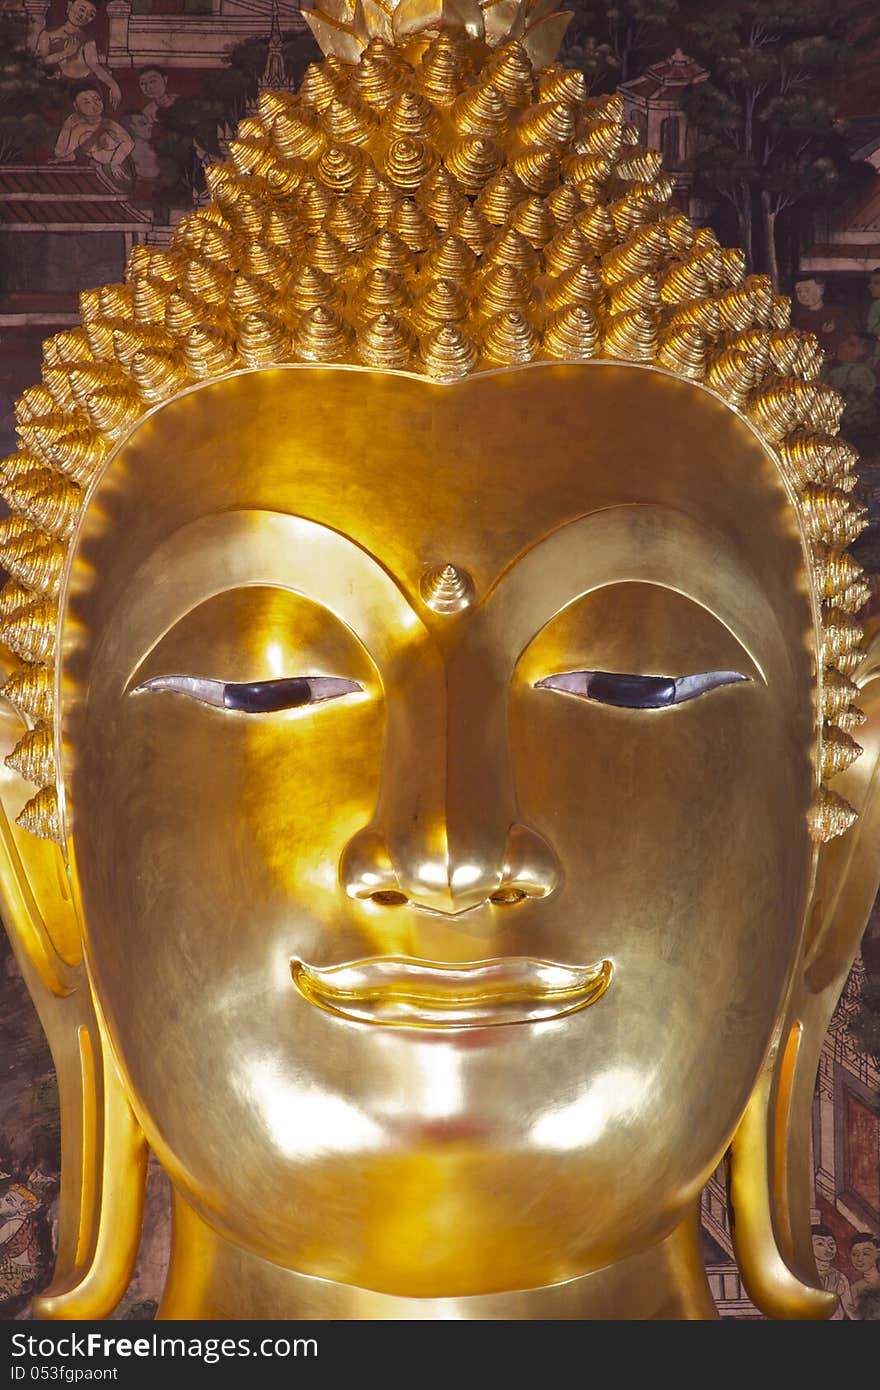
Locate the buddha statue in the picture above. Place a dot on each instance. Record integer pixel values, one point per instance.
(432, 633)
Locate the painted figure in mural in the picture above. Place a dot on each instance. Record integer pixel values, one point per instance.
(853, 375)
(71, 53)
(444, 545)
(20, 1241)
(864, 1255)
(154, 87)
(834, 1280)
(143, 155)
(828, 322)
(90, 134)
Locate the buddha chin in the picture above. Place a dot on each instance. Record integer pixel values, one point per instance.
(441, 946)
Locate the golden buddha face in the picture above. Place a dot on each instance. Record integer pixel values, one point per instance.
(449, 965)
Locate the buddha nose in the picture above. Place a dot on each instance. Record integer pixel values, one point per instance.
(430, 874)
(446, 833)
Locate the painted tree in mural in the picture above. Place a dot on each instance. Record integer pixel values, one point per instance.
(865, 1026)
(612, 38)
(189, 130)
(595, 60)
(28, 101)
(771, 135)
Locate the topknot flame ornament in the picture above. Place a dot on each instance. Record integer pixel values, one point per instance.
(435, 199)
(346, 28)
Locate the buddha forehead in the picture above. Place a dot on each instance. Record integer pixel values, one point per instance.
(418, 474)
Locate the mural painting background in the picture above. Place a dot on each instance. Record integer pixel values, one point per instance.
(768, 116)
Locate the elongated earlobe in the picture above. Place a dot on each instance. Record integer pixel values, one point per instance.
(847, 881)
(103, 1153)
(769, 1282)
(771, 1187)
(104, 1164)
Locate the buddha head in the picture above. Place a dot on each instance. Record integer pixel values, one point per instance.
(435, 634)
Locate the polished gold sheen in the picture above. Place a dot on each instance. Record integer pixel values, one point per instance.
(447, 589)
(419, 994)
(437, 399)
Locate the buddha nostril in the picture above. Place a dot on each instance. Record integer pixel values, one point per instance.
(506, 897)
(387, 897)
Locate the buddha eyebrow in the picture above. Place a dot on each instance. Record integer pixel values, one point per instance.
(627, 691)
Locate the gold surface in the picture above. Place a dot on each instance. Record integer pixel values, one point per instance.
(441, 207)
(213, 848)
(846, 888)
(443, 996)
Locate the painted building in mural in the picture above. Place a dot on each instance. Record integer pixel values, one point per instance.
(139, 97)
(655, 102)
(80, 189)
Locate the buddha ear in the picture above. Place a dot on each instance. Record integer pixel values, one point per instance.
(103, 1175)
(103, 1153)
(770, 1278)
(772, 1208)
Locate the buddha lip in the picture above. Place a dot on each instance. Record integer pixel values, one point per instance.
(399, 991)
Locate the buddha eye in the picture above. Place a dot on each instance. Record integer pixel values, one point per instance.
(638, 692)
(254, 697)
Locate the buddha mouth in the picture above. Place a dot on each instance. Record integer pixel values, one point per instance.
(398, 991)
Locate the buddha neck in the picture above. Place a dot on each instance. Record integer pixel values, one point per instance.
(211, 1278)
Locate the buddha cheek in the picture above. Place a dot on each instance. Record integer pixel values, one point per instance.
(207, 851)
(683, 840)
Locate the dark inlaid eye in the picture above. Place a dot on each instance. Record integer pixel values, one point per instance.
(638, 692)
(255, 697)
